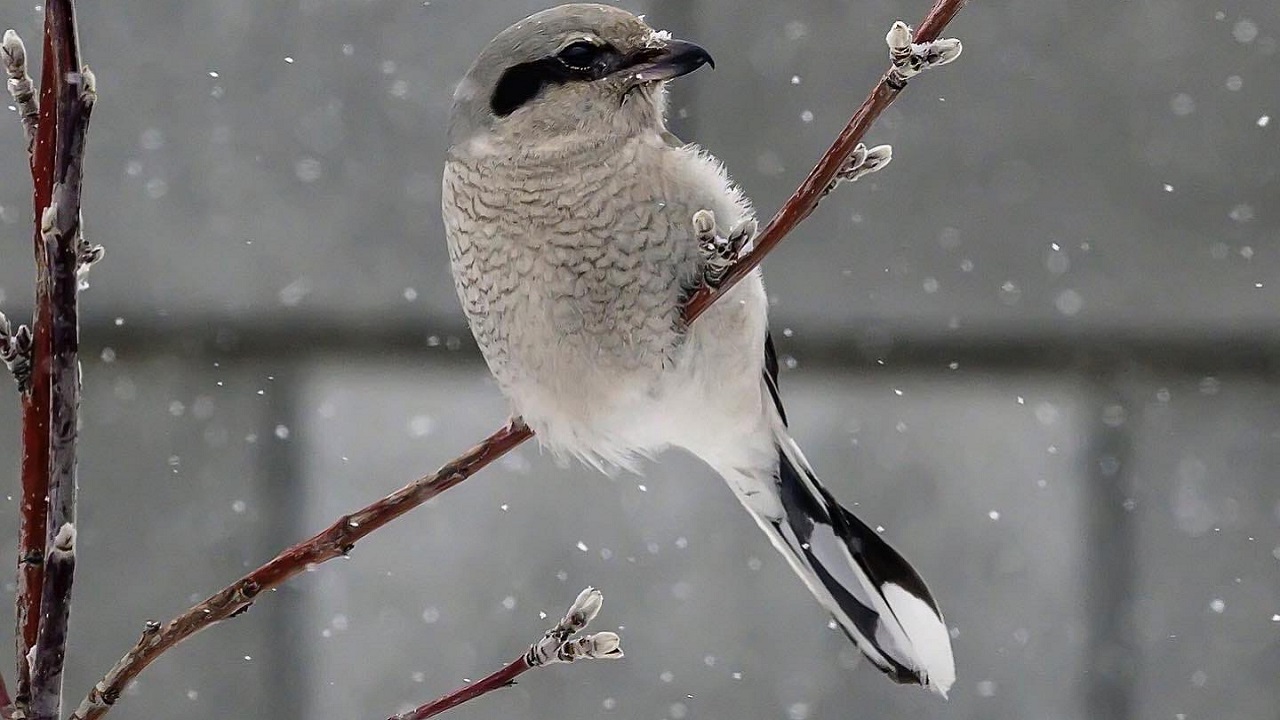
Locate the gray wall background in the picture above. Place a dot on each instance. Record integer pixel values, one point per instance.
(1040, 350)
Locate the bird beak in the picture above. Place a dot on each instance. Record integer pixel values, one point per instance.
(673, 59)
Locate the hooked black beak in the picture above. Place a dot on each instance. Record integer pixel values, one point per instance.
(673, 59)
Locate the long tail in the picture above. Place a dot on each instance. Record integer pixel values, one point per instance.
(876, 597)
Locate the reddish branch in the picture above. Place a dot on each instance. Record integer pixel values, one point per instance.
(500, 679)
(50, 403)
(74, 95)
(338, 539)
(333, 542)
(35, 403)
(557, 645)
(815, 186)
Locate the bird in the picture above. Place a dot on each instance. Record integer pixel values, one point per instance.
(577, 226)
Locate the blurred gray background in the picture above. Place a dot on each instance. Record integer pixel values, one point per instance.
(1041, 351)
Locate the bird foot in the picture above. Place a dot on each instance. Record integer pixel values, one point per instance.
(910, 59)
(720, 252)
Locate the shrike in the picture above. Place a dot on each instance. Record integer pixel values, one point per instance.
(570, 216)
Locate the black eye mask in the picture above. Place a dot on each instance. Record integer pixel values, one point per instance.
(578, 62)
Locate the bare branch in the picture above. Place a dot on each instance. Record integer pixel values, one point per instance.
(557, 645)
(805, 199)
(335, 541)
(340, 537)
(55, 609)
(20, 86)
(57, 360)
(32, 536)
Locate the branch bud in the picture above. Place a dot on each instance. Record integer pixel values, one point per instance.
(15, 54)
(65, 540)
(605, 645)
(583, 610)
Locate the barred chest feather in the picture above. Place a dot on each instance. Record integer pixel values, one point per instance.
(572, 271)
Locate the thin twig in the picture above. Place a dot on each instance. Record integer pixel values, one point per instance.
(557, 645)
(33, 523)
(342, 535)
(20, 86)
(806, 197)
(505, 677)
(335, 541)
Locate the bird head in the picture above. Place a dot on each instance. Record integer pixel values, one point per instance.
(574, 75)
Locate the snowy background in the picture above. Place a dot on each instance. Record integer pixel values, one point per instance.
(1041, 350)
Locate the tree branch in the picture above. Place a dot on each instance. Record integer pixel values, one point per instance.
(340, 537)
(46, 360)
(75, 94)
(55, 609)
(557, 645)
(335, 541)
(60, 226)
(32, 529)
(806, 197)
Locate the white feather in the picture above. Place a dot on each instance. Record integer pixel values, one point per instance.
(929, 637)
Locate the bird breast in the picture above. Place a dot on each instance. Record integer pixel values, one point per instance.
(572, 272)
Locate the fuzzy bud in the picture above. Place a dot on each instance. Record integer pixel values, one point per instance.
(15, 54)
(584, 609)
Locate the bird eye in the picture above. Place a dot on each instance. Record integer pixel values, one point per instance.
(579, 55)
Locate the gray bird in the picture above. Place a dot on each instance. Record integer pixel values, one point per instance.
(570, 216)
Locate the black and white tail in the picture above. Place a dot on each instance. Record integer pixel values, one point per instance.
(875, 596)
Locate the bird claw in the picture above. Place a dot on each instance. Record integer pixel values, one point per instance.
(720, 252)
(910, 59)
(862, 161)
